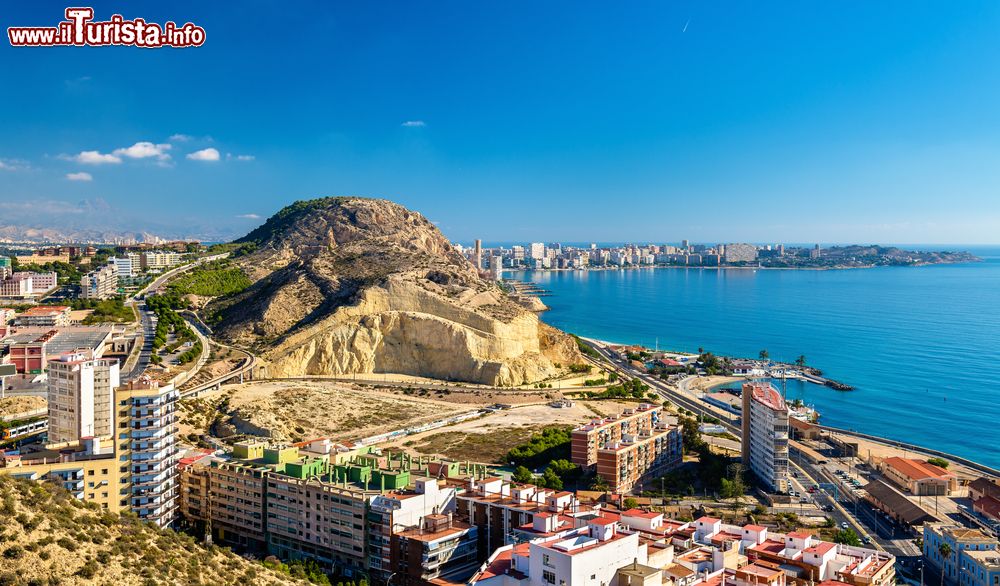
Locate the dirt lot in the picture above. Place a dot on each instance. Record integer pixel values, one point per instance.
(487, 439)
(15, 405)
(292, 411)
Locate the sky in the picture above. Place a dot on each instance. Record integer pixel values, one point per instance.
(783, 121)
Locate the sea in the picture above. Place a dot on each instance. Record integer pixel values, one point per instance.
(921, 345)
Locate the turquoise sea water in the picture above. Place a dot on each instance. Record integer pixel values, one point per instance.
(920, 344)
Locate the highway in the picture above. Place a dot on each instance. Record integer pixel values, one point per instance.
(147, 331)
(147, 325)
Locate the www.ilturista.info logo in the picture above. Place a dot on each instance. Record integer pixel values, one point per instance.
(80, 30)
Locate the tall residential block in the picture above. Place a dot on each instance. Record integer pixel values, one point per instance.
(147, 436)
(765, 435)
(80, 390)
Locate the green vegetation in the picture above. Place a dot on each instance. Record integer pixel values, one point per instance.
(847, 537)
(714, 365)
(580, 368)
(303, 570)
(585, 348)
(211, 279)
(629, 503)
(49, 537)
(169, 321)
(939, 462)
(712, 473)
(630, 389)
(106, 310)
(551, 444)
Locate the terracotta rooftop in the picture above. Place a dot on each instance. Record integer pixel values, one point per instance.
(916, 469)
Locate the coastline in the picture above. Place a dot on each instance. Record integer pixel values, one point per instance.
(736, 268)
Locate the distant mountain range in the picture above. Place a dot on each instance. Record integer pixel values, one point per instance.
(11, 234)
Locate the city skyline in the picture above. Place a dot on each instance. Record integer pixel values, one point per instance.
(832, 124)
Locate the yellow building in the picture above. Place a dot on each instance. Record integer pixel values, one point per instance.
(134, 470)
(88, 469)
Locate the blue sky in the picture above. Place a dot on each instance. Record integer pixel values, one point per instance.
(648, 121)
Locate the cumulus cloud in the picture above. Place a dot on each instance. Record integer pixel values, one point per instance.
(180, 137)
(249, 216)
(208, 154)
(12, 165)
(95, 158)
(81, 176)
(145, 150)
(414, 124)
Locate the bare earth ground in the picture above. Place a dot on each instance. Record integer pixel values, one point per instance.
(488, 438)
(15, 405)
(293, 410)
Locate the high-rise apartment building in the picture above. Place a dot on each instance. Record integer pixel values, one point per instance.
(536, 250)
(765, 435)
(100, 284)
(147, 433)
(80, 390)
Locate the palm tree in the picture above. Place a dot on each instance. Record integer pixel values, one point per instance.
(764, 354)
(801, 360)
(945, 550)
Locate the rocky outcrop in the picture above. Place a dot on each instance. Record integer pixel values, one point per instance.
(354, 285)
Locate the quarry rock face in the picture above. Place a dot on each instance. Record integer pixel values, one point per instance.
(351, 285)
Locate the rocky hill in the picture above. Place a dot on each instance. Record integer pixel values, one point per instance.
(355, 285)
(49, 537)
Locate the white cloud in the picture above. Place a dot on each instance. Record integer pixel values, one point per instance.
(180, 137)
(208, 154)
(245, 157)
(145, 150)
(95, 158)
(414, 124)
(249, 216)
(11, 165)
(81, 176)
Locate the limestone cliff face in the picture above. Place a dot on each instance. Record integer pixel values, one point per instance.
(353, 285)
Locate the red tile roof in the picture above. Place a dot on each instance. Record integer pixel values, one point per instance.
(916, 469)
(640, 513)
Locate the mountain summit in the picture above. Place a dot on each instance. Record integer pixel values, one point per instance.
(355, 285)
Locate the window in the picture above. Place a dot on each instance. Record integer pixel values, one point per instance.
(549, 577)
(546, 561)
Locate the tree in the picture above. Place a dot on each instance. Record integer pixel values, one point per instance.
(764, 355)
(600, 484)
(551, 480)
(801, 360)
(847, 537)
(523, 475)
(945, 550)
(939, 462)
(630, 503)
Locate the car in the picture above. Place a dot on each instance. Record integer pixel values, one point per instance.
(866, 540)
(844, 525)
(828, 508)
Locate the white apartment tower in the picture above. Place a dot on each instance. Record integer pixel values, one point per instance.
(765, 435)
(80, 391)
(537, 250)
(147, 414)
